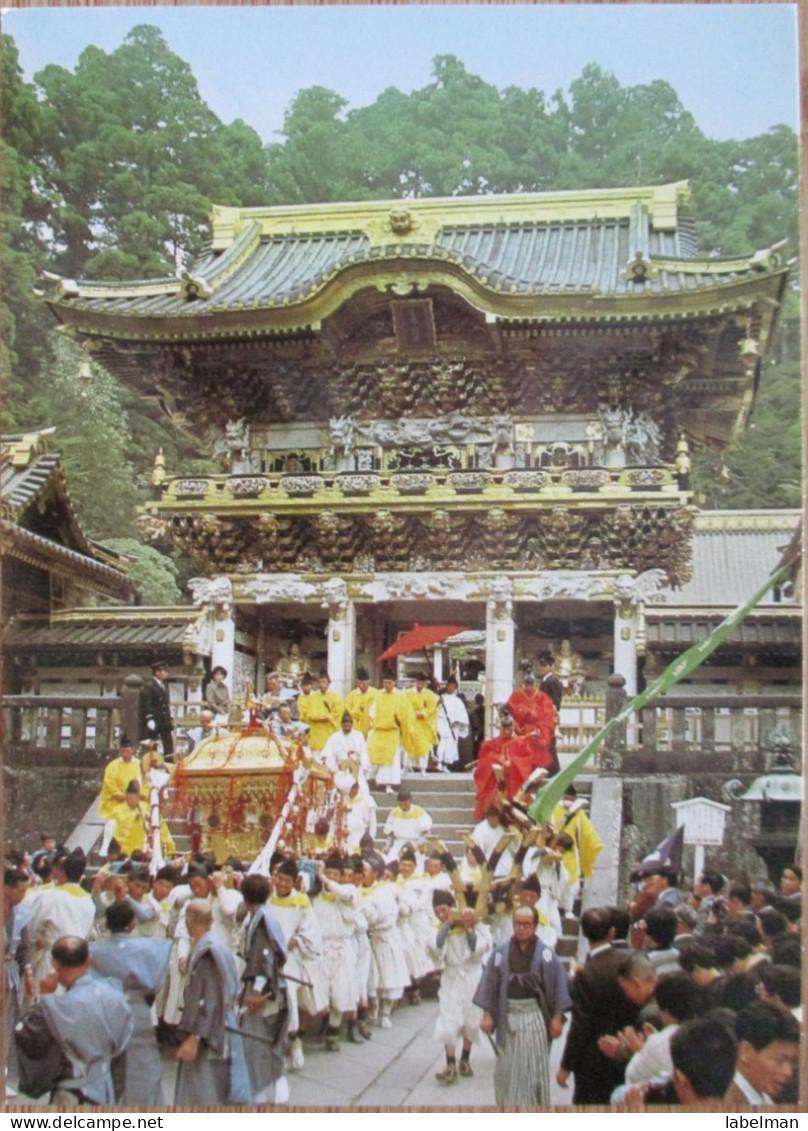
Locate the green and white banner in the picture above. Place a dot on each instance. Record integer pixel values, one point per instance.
(550, 794)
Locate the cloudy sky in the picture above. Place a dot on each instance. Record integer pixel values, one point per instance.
(733, 65)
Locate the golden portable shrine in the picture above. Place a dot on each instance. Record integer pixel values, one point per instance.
(244, 784)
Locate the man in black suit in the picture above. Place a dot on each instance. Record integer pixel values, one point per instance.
(550, 684)
(599, 1008)
(157, 708)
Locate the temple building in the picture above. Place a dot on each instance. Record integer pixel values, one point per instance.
(476, 411)
(49, 562)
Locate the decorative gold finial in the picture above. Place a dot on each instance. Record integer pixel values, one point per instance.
(158, 469)
(85, 376)
(682, 461)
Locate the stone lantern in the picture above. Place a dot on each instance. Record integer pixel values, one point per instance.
(773, 806)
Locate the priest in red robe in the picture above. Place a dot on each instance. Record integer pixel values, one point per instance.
(492, 752)
(535, 716)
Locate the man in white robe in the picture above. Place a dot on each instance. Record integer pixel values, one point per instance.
(304, 942)
(453, 724)
(406, 824)
(336, 908)
(347, 745)
(460, 947)
(66, 909)
(388, 967)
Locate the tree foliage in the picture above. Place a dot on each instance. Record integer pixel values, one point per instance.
(24, 320)
(92, 438)
(112, 169)
(154, 575)
(135, 157)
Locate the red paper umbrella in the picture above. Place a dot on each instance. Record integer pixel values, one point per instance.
(420, 637)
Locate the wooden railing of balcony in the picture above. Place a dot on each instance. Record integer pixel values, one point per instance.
(59, 725)
(62, 722)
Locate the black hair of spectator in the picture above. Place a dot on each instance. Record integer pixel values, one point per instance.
(791, 908)
(119, 916)
(787, 951)
(784, 981)
(743, 927)
(739, 991)
(772, 923)
(728, 949)
(705, 1052)
(596, 923)
(620, 921)
(742, 892)
(255, 888)
(697, 956)
(660, 926)
(677, 995)
(761, 1024)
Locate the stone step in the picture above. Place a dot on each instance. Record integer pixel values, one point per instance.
(567, 946)
(436, 783)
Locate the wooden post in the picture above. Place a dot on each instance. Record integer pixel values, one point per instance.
(130, 708)
(614, 746)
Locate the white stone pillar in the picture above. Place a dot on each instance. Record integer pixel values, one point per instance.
(341, 634)
(223, 643)
(626, 624)
(214, 632)
(341, 648)
(500, 636)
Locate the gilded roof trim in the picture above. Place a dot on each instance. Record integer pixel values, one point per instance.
(381, 218)
(406, 272)
(36, 550)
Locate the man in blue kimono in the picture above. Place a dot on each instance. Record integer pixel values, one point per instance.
(141, 966)
(16, 964)
(212, 1067)
(76, 1034)
(523, 993)
(264, 1008)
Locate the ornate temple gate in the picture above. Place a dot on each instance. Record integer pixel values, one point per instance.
(468, 409)
(347, 622)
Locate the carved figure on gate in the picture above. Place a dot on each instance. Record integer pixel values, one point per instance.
(569, 667)
(502, 435)
(342, 429)
(293, 666)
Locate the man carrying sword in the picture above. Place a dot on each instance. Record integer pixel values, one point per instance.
(263, 1004)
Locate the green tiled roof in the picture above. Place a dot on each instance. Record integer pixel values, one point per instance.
(270, 261)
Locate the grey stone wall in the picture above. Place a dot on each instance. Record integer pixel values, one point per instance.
(648, 818)
(49, 791)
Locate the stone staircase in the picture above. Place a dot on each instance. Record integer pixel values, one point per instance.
(448, 798)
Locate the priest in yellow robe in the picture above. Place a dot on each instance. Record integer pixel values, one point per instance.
(392, 719)
(359, 699)
(569, 817)
(321, 710)
(425, 723)
(132, 825)
(117, 775)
